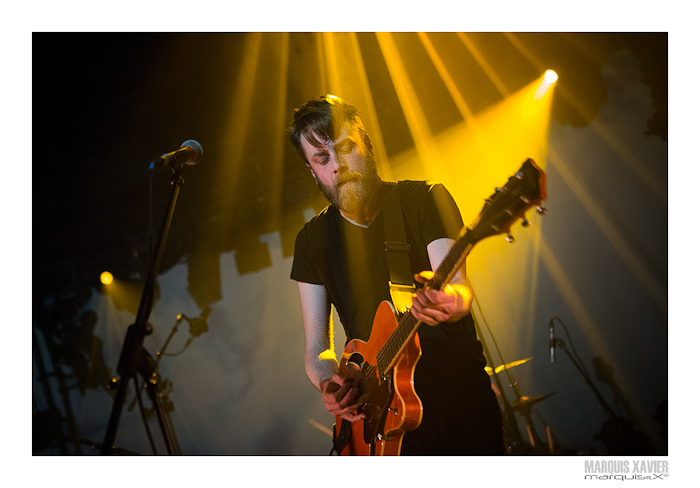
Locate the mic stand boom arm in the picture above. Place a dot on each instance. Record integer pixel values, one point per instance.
(608, 410)
(134, 358)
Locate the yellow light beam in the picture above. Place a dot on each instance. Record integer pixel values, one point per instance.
(372, 119)
(345, 74)
(239, 120)
(277, 175)
(410, 105)
(457, 97)
(332, 70)
(484, 65)
(322, 60)
(243, 90)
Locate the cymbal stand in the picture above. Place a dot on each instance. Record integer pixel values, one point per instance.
(134, 359)
(525, 409)
(518, 445)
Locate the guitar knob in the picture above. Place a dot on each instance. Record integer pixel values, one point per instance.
(510, 238)
(526, 223)
(540, 209)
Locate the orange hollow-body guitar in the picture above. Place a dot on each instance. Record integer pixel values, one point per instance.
(393, 408)
(383, 367)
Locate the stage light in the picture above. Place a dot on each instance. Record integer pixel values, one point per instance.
(106, 277)
(551, 76)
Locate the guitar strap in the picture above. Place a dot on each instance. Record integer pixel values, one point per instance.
(401, 284)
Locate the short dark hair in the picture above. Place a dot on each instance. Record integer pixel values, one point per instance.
(320, 115)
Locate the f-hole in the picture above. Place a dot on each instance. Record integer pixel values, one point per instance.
(356, 359)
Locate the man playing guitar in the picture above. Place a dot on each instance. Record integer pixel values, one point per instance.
(340, 259)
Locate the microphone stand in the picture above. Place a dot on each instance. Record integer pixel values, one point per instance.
(620, 436)
(608, 410)
(134, 358)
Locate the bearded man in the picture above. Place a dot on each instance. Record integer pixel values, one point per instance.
(340, 260)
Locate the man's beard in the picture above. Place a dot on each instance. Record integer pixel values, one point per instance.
(353, 189)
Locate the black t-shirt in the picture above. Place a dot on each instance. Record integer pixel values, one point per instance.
(350, 261)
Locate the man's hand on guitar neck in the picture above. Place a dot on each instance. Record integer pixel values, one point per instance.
(340, 397)
(434, 306)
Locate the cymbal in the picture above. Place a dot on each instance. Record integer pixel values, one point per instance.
(500, 368)
(527, 402)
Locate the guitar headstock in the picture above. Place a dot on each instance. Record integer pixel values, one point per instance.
(524, 190)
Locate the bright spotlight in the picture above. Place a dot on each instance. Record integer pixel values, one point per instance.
(549, 78)
(106, 277)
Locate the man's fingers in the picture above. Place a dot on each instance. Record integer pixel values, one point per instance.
(351, 417)
(340, 398)
(439, 297)
(337, 394)
(435, 300)
(430, 306)
(430, 316)
(349, 398)
(347, 413)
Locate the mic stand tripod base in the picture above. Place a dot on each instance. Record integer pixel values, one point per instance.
(147, 372)
(145, 367)
(133, 344)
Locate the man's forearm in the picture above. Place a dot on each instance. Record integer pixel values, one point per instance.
(318, 369)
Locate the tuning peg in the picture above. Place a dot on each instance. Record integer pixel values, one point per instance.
(540, 209)
(510, 238)
(526, 223)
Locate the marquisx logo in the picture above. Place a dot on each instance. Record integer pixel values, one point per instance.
(625, 470)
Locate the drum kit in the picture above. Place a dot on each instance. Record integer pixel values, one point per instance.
(523, 405)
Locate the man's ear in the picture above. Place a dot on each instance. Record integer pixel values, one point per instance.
(313, 173)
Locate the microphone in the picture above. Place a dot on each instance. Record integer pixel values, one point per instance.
(190, 152)
(551, 340)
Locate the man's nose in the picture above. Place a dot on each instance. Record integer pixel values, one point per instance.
(338, 163)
